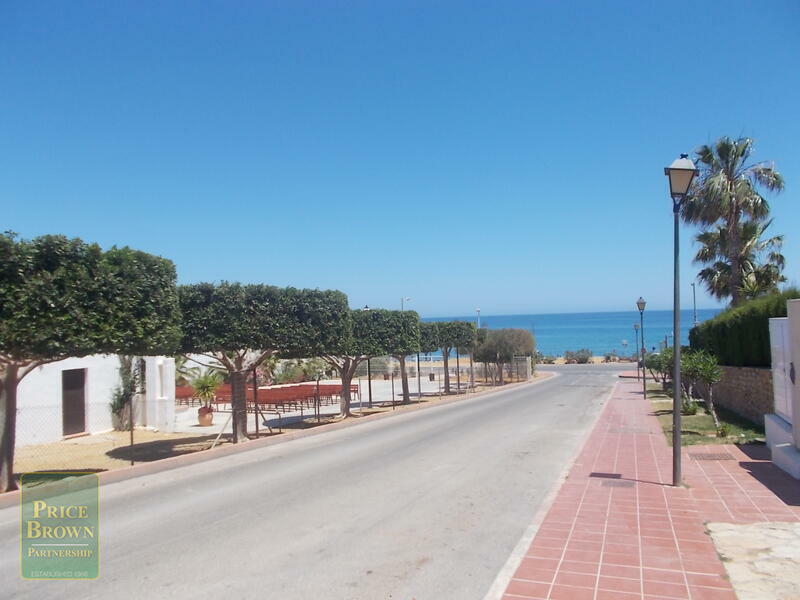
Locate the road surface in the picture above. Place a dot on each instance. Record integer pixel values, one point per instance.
(422, 506)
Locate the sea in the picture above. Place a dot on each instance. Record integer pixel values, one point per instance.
(600, 332)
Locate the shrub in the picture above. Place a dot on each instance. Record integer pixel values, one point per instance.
(739, 336)
(544, 359)
(688, 407)
(581, 357)
(660, 364)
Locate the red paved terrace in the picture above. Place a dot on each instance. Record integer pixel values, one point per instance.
(617, 528)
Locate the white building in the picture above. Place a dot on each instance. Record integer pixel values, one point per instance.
(72, 397)
(783, 426)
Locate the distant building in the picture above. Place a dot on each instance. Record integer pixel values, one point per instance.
(72, 397)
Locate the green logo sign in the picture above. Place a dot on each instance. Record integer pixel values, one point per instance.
(59, 527)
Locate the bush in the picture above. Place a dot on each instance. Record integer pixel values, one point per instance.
(739, 337)
(544, 359)
(580, 357)
(661, 364)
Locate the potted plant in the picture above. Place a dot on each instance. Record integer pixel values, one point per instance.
(205, 387)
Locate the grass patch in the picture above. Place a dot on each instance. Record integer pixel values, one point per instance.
(699, 428)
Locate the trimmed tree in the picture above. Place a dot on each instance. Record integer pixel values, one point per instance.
(367, 337)
(403, 339)
(62, 298)
(428, 340)
(428, 337)
(454, 334)
(240, 326)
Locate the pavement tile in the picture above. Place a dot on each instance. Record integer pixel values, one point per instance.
(528, 589)
(587, 580)
(620, 571)
(573, 566)
(668, 590)
(617, 584)
(707, 593)
(566, 592)
(604, 540)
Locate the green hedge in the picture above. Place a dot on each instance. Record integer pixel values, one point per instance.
(739, 337)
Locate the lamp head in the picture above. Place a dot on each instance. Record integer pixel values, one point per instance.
(681, 173)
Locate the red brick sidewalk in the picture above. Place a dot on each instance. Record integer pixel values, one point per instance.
(618, 530)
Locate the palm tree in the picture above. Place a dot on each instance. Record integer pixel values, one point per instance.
(726, 194)
(183, 372)
(759, 260)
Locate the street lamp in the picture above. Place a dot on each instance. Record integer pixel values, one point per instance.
(478, 310)
(369, 371)
(640, 304)
(694, 305)
(636, 331)
(680, 173)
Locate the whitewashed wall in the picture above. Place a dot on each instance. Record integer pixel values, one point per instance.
(39, 415)
(157, 408)
(39, 397)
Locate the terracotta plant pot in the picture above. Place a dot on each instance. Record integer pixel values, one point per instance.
(205, 416)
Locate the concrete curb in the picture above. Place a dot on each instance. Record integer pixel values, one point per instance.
(165, 464)
(500, 584)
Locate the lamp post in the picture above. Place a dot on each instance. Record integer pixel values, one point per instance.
(636, 332)
(680, 173)
(403, 301)
(640, 304)
(694, 306)
(478, 310)
(369, 372)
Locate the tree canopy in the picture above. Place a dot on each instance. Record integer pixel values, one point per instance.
(62, 297)
(240, 326)
(502, 345)
(726, 197)
(456, 334)
(760, 260)
(374, 332)
(234, 317)
(429, 337)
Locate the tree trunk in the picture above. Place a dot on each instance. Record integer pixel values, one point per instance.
(445, 356)
(711, 409)
(347, 376)
(404, 379)
(735, 250)
(458, 373)
(8, 422)
(471, 373)
(239, 405)
(500, 371)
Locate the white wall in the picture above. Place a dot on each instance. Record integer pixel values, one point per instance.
(39, 415)
(39, 401)
(157, 408)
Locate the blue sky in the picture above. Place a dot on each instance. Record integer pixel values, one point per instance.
(507, 156)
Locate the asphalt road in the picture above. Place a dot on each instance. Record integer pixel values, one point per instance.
(422, 506)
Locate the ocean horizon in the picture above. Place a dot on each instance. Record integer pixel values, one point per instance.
(600, 332)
